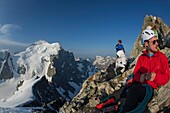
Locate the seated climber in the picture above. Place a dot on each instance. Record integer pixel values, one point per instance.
(121, 62)
(151, 72)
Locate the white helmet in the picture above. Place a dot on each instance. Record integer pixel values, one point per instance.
(147, 34)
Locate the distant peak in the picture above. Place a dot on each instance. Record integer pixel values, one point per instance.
(40, 47)
(40, 42)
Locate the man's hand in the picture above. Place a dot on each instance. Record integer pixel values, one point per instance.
(153, 75)
(142, 77)
(147, 76)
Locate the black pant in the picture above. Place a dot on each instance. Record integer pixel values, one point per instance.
(135, 95)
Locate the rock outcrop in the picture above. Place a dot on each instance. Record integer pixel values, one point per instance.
(98, 85)
(163, 31)
(6, 65)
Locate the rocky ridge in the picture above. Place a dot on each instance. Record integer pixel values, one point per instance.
(163, 31)
(100, 84)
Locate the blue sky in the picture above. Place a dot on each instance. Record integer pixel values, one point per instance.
(84, 27)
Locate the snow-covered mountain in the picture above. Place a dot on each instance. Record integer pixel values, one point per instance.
(103, 62)
(47, 72)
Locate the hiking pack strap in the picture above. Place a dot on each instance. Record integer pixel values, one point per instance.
(141, 107)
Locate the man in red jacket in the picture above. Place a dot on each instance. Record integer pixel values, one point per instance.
(151, 68)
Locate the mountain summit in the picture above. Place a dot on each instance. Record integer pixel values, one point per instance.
(47, 72)
(35, 60)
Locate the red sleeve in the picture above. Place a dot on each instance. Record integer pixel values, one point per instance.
(162, 77)
(136, 70)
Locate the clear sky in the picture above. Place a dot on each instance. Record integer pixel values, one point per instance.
(84, 27)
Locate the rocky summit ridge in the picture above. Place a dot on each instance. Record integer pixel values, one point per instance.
(106, 83)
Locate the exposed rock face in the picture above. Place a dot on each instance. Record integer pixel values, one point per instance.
(95, 86)
(99, 84)
(6, 65)
(44, 92)
(65, 71)
(161, 102)
(67, 77)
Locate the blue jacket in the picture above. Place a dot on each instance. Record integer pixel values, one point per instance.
(119, 47)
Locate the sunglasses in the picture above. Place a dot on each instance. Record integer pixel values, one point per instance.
(154, 42)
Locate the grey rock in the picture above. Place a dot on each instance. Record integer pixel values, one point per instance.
(6, 65)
